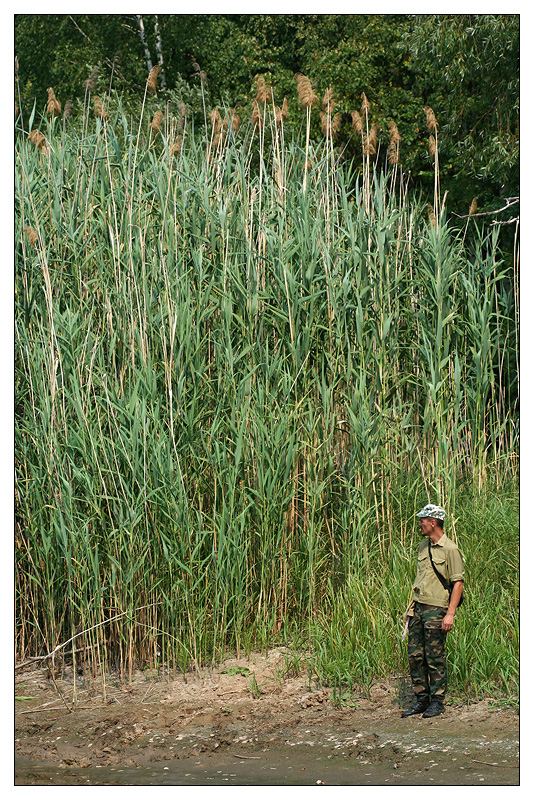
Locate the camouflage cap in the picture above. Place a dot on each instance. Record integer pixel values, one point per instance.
(432, 511)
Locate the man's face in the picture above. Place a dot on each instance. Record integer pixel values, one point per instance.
(426, 525)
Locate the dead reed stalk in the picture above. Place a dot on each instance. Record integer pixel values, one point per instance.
(307, 99)
(432, 125)
(328, 101)
(257, 120)
(280, 114)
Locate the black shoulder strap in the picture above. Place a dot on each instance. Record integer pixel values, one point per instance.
(444, 583)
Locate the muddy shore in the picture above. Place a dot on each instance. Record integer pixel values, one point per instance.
(251, 722)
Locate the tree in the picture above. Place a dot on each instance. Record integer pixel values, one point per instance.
(464, 66)
(467, 69)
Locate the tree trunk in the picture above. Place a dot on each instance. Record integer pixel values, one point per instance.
(143, 40)
(159, 52)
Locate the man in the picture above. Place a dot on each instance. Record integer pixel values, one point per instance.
(431, 613)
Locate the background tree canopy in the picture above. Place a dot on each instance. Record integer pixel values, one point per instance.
(466, 67)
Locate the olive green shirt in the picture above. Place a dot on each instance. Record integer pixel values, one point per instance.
(448, 562)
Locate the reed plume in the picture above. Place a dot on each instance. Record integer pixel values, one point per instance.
(38, 139)
(176, 147)
(264, 93)
(432, 146)
(280, 114)
(153, 78)
(473, 207)
(256, 115)
(330, 125)
(99, 110)
(328, 100)
(31, 233)
(371, 140)
(431, 120)
(307, 96)
(365, 105)
(155, 125)
(394, 134)
(394, 142)
(216, 121)
(357, 124)
(182, 109)
(53, 107)
(393, 153)
(67, 111)
(90, 83)
(235, 120)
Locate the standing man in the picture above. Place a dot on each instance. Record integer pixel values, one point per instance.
(431, 612)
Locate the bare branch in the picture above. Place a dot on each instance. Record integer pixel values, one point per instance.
(510, 201)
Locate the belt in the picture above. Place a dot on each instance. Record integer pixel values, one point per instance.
(426, 606)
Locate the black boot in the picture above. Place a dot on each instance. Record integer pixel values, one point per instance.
(436, 707)
(418, 708)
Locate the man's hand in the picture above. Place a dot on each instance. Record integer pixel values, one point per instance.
(447, 622)
(448, 619)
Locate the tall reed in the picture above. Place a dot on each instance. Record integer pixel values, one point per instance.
(227, 410)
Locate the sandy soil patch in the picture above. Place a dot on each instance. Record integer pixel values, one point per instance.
(251, 721)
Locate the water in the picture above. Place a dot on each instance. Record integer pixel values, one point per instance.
(281, 767)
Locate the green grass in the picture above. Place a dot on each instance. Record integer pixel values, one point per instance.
(358, 637)
(233, 395)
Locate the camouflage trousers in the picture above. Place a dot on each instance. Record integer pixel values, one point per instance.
(426, 652)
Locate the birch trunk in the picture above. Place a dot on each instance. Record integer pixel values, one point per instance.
(159, 52)
(148, 56)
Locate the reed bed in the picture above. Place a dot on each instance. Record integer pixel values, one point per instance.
(241, 367)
